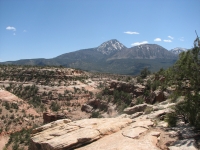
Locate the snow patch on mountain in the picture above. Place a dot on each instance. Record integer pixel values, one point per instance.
(110, 47)
(178, 50)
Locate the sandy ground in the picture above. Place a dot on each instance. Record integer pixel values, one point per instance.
(3, 141)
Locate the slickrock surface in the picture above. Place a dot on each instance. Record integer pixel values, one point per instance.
(121, 133)
(63, 134)
(7, 96)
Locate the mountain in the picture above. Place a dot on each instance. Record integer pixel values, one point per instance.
(145, 51)
(178, 50)
(110, 47)
(111, 57)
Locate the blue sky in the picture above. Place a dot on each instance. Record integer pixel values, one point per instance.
(48, 28)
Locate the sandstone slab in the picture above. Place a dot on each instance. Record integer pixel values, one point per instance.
(137, 108)
(63, 134)
(134, 132)
(117, 141)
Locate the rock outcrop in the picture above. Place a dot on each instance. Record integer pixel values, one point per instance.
(63, 134)
(50, 117)
(137, 89)
(86, 108)
(141, 132)
(137, 108)
(156, 96)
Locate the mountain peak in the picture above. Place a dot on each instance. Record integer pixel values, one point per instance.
(178, 50)
(110, 46)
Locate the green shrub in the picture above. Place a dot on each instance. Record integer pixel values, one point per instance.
(139, 100)
(55, 106)
(171, 119)
(144, 73)
(95, 114)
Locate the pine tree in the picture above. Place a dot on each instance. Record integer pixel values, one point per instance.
(186, 75)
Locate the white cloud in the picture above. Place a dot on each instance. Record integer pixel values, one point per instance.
(14, 34)
(170, 37)
(182, 39)
(167, 40)
(139, 43)
(11, 28)
(157, 39)
(130, 32)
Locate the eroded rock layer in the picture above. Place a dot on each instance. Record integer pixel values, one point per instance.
(64, 134)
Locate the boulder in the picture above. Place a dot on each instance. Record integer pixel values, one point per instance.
(86, 108)
(111, 111)
(156, 96)
(139, 90)
(135, 115)
(98, 104)
(137, 108)
(158, 113)
(159, 96)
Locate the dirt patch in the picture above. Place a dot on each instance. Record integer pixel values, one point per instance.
(3, 141)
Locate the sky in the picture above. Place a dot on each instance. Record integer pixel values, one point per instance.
(48, 28)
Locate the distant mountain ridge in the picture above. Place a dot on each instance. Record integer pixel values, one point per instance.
(111, 57)
(178, 50)
(145, 51)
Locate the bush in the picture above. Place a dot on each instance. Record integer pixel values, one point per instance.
(144, 73)
(55, 106)
(139, 100)
(171, 119)
(95, 114)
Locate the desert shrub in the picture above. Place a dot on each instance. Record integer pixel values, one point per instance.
(18, 138)
(155, 85)
(171, 119)
(139, 80)
(55, 106)
(139, 100)
(14, 105)
(7, 105)
(120, 96)
(121, 107)
(35, 101)
(95, 114)
(1, 130)
(144, 73)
